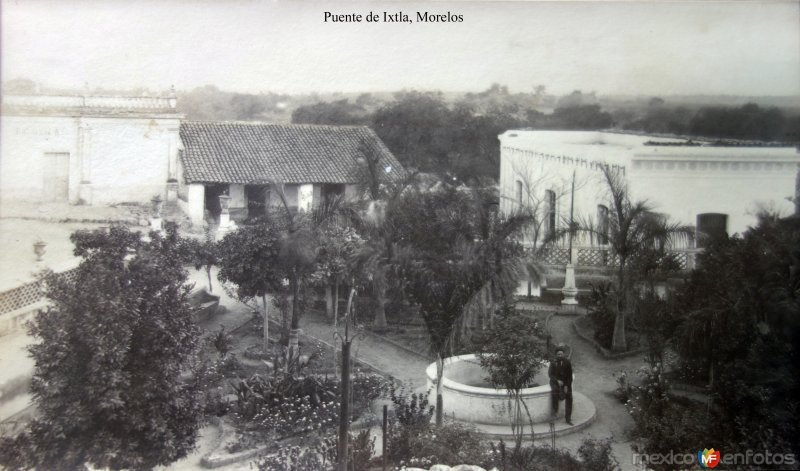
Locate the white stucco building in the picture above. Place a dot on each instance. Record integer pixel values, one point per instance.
(244, 159)
(694, 183)
(102, 150)
(92, 150)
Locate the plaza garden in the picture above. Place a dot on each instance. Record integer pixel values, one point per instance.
(330, 315)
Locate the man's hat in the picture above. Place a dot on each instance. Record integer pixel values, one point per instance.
(561, 348)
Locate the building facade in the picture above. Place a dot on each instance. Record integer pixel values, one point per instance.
(246, 160)
(92, 150)
(711, 187)
(101, 150)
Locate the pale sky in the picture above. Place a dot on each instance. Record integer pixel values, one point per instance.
(736, 48)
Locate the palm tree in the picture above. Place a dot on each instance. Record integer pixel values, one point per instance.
(634, 232)
(299, 248)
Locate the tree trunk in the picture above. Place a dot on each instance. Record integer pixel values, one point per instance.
(439, 400)
(618, 342)
(344, 408)
(380, 311)
(329, 308)
(208, 273)
(335, 321)
(294, 344)
(266, 323)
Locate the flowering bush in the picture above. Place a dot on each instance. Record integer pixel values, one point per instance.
(450, 443)
(624, 387)
(318, 455)
(666, 423)
(530, 457)
(597, 456)
(285, 405)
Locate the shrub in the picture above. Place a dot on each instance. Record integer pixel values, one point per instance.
(412, 417)
(624, 389)
(362, 449)
(319, 455)
(221, 341)
(412, 410)
(597, 455)
(528, 458)
(602, 312)
(665, 423)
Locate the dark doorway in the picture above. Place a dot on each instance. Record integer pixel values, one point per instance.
(213, 192)
(332, 192)
(257, 200)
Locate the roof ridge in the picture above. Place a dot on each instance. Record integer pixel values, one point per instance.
(265, 123)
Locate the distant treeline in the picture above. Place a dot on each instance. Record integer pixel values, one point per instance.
(459, 138)
(455, 134)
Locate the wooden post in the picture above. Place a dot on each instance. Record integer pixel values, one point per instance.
(344, 410)
(266, 323)
(385, 429)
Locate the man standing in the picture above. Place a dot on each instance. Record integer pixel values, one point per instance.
(560, 373)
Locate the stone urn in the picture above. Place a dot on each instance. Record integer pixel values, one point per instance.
(158, 203)
(38, 249)
(225, 203)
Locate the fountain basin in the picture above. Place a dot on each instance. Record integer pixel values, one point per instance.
(467, 396)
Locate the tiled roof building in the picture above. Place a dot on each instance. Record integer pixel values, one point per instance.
(242, 160)
(242, 152)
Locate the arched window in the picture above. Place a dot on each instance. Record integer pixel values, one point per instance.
(602, 224)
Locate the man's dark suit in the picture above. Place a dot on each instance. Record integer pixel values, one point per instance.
(561, 370)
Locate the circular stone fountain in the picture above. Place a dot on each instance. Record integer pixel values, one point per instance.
(468, 397)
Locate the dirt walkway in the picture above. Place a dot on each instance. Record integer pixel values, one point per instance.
(388, 358)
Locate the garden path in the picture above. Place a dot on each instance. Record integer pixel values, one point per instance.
(594, 377)
(388, 358)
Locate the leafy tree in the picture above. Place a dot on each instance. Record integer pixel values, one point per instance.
(455, 257)
(741, 311)
(249, 259)
(580, 117)
(746, 122)
(339, 112)
(414, 127)
(203, 255)
(512, 352)
(110, 351)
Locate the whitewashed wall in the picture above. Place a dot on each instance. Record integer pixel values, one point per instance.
(681, 182)
(111, 159)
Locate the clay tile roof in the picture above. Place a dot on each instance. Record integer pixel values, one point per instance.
(253, 152)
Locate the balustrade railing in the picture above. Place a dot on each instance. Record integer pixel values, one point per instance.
(89, 101)
(603, 257)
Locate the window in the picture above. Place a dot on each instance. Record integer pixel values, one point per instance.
(602, 224)
(519, 192)
(711, 226)
(550, 214)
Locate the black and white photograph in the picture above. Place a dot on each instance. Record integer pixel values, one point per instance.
(390, 235)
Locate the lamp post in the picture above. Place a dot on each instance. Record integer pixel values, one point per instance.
(570, 290)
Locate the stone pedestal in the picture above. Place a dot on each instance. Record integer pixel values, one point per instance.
(570, 290)
(156, 224)
(225, 223)
(172, 191)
